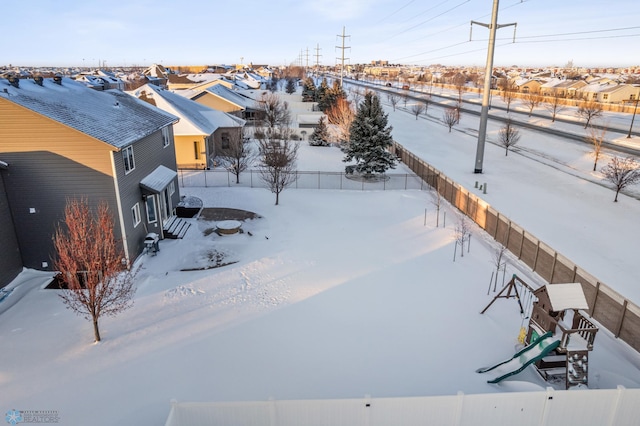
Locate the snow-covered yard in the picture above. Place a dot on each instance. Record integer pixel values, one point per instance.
(335, 294)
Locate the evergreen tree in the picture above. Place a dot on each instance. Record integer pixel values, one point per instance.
(330, 96)
(320, 135)
(321, 92)
(291, 86)
(309, 90)
(370, 136)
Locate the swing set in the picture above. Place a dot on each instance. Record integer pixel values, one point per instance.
(523, 293)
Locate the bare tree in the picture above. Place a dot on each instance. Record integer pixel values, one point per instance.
(417, 109)
(499, 263)
(508, 88)
(239, 155)
(357, 95)
(278, 158)
(90, 263)
(341, 115)
(532, 100)
(463, 235)
(621, 172)
(405, 98)
(438, 199)
(554, 104)
(450, 117)
(273, 111)
(589, 110)
(426, 99)
(459, 81)
(393, 98)
(508, 136)
(596, 137)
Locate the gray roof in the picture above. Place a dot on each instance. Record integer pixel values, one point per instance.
(110, 116)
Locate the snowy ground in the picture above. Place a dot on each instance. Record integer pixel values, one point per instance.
(335, 294)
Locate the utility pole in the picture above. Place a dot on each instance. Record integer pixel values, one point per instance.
(343, 47)
(317, 55)
(484, 112)
(307, 57)
(635, 108)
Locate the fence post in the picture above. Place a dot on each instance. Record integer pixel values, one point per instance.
(205, 178)
(553, 266)
(535, 259)
(619, 326)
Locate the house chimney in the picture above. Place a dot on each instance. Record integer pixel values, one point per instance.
(57, 79)
(14, 81)
(38, 80)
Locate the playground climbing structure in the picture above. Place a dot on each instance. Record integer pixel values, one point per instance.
(555, 314)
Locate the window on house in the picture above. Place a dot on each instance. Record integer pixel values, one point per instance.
(605, 96)
(151, 209)
(226, 139)
(127, 157)
(172, 188)
(166, 137)
(196, 150)
(632, 97)
(135, 212)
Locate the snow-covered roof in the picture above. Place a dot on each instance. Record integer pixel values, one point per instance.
(110, 116)
(159, 179)
(566, 296)
(231, 96)
(195, 118)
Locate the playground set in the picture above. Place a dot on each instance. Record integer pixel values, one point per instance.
(557, 338)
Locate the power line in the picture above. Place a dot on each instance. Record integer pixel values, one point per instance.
(430, 19)
(396, 11)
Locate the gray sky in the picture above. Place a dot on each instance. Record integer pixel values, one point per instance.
(142, 32)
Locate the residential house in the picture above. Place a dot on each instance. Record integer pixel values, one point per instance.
(618, 93)
(221, 98)
(528, 85)
(11, 260)
(202, 132)
(568, 88)
(62, 140)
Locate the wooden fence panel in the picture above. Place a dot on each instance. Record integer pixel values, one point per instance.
(607, 309)
(515, 239)
(563, 271)
(630, 326)
(491, 222)
(529, 252)
(502, 232)
(544, 262)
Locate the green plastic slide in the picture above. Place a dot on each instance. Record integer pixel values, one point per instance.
(531, 353)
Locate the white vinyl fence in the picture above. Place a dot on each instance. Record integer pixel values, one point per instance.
(599, 407)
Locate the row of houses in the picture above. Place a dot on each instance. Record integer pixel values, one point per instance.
(601, 89)
(60, 139)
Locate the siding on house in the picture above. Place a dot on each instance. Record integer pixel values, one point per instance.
(49, 164)
(10, 260)
(154, 153)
